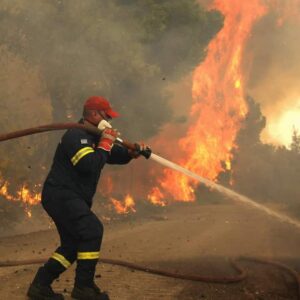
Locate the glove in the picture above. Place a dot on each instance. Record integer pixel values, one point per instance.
(103, 124)
(140, 150)
(107, 139)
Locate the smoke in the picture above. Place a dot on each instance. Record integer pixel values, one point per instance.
(273, 61)
(83, 48)
(92, 47)
(56, 53)
(24, 103)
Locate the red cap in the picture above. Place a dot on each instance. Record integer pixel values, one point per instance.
(100, 103)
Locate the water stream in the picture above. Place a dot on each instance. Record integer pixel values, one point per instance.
(226, 191)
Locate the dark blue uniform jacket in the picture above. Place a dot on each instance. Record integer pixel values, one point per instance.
(78, 163)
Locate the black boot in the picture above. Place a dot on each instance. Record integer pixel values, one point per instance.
(88, 293)
(42, 292)
(96, 288)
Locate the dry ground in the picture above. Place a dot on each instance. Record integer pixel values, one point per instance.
(195, 239)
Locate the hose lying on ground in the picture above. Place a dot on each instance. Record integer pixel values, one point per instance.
(209, 279)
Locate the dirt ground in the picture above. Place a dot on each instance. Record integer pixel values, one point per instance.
(190, 239)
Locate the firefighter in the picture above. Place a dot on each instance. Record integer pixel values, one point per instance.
(67, 198)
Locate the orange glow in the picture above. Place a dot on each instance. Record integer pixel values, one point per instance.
(285, 10)
(106, 186)
(125, 206)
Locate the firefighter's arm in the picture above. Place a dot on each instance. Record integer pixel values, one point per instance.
(119, 155)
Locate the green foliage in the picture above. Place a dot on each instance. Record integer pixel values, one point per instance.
(176, 32)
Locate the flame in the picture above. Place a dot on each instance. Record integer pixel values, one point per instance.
(125, 206)
(28, 197)
(218, 102)
(4, 192)
(156, 197)
(23, 194)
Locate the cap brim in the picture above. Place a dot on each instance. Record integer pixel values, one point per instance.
(112, 113)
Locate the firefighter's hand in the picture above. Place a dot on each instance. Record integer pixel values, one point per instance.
(140, 148)
(107, 139)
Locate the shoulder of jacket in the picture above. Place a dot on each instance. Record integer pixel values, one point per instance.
(77, 132)
(74, 136)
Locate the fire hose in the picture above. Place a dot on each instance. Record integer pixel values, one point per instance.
(147, 153)
(208, 279)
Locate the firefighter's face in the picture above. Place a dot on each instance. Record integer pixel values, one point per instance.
(104, 116)
(97, 116)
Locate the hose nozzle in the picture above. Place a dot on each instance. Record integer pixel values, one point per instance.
(136, 147)
(145, 152)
